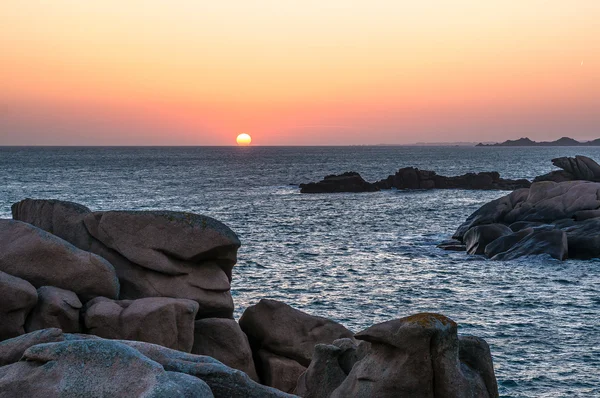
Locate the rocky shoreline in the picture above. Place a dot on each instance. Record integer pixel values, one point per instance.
(124, 303)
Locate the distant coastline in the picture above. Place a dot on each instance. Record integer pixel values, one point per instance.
(564, 141)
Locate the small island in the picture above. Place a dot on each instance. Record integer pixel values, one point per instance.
(564, 141)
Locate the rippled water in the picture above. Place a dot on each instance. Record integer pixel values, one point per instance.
(356, 258)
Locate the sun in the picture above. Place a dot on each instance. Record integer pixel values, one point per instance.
(243, 139)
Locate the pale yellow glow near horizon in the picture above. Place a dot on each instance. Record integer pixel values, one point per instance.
(409, 70)
(243, 139)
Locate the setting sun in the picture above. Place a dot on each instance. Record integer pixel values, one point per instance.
(243, 140)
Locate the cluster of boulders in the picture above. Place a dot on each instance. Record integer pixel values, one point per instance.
(123, 303)
(577, 168)
(413, 178)
(561, 220)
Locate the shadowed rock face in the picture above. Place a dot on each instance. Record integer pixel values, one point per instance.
(155, 253)
(577, 168)
(17, 299)
(160, 320)
(56, 308)
(43, 259)
(417, 356)
(93, 368)
(283, 339)
(347, 182)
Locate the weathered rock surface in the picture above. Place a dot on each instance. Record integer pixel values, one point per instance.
(44, 259)
(477, 238)
(418, 356)
(283, 339)
(56, 308)
(155, 253)
(159, 320)
(413, 178)
(224, 381)
(17, 299)
(224, 340)
(93, 368)
(552, 242)
(12, 350)
(558, 219)
(347, 182)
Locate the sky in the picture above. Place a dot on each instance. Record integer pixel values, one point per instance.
(287, 72)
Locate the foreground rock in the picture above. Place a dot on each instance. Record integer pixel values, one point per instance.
(347, 182)
(283, 339)
(109, 364)
(155, 253)
(165, 321)
(43, 259)
(17, 299)
(417, 356)
(224, 340)
(93, 368)
(413, 178)
(56, 308)
(561, 220)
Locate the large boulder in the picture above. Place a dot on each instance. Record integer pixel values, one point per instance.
(155, 253)
(224, 340)
(418, 356)
(477, 238)
(44, 259)
(56, 308)
(17, 299)
(160, 320)
(504, 243)
(93, 368)
(583, 238)
(283, 339)
(347, 182)
(224, 381)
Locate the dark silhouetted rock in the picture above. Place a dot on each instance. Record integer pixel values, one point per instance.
(583, 239)
(475, 353)
(12, 350)
(43, 259)
(93, 368)
(413, 178)
(347, 182)
(160, 320)
(224, 340)
(417, 356)
(504, 243)
(17, 299)
(563, 141)
(453, 245)
(155, 253)
(552, 242)
(577, 168)
(224, 381)
(56, 308)
(477, 238)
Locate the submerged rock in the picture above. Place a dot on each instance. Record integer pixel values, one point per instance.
(347, 182)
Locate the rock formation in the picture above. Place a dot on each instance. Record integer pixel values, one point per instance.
(577, 168)
(155, 253)
(283, 338)
(347, 182)
(556, 219)
(17, 299)
(413, 178)
(56, 308)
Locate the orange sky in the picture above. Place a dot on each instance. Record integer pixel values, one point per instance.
(194, 72)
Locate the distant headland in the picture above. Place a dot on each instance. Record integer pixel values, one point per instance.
(564, 141)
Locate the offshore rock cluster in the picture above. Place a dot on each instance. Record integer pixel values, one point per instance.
(138, 304)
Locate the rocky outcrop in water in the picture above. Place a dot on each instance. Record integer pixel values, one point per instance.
(177, 267)
(577, 168)
(413, 178)
(557, 219)
(347, 182)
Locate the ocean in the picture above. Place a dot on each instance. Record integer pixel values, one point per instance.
(360, 258)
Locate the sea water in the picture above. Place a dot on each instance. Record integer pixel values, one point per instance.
(358, 259)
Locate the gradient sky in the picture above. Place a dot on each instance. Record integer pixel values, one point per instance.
(311, 72)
